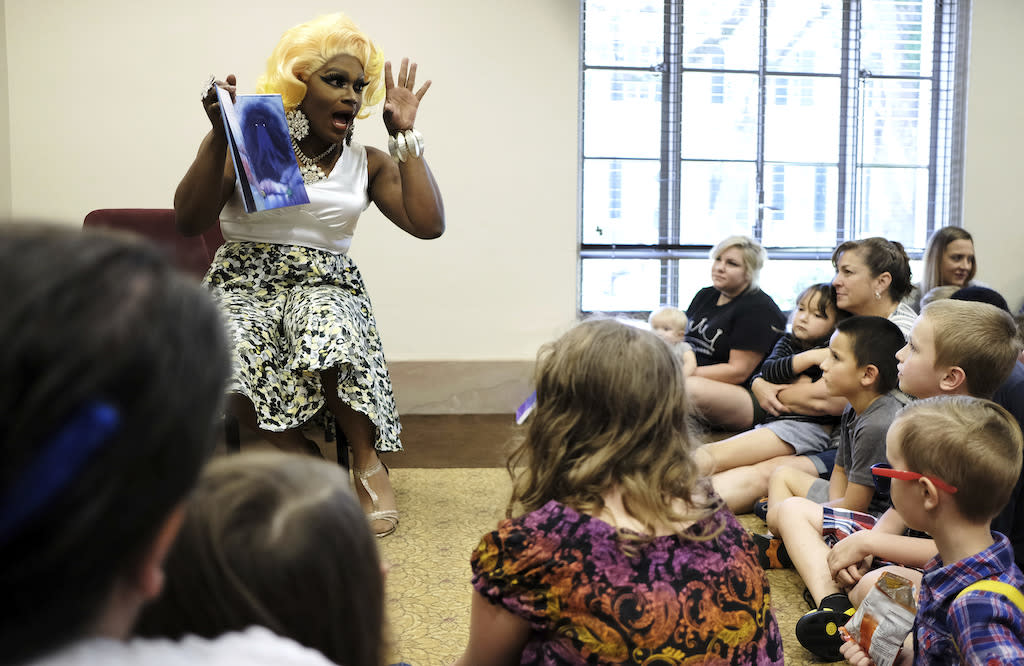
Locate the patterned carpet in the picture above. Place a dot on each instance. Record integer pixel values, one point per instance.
(444, 514)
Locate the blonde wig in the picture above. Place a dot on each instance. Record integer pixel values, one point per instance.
(307, 47)
(970, 443)
(611, 414)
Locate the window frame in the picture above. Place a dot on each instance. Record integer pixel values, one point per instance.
(946, 142)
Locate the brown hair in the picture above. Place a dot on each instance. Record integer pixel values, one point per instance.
(881, 255)
(279, 541)
(611, 413)
(934, 252)
(970, 443)
(94, 318)
(875, 341)
(979, 338)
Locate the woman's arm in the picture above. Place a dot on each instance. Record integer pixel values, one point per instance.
(811, 399)
(405, 191)
(496, 636)
(210, 180)
(740, 365)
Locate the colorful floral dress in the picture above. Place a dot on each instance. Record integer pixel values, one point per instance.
(675, 601)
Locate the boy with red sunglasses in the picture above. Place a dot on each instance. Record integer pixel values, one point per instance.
(955, 348)
(953, 462)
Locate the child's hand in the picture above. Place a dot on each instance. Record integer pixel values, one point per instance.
(853, 552)
(854, 653)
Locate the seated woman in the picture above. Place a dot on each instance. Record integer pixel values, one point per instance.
(872, 276)
(114, 369)
(619, 552)
(733, 326)
(277, 541)
(948, 261)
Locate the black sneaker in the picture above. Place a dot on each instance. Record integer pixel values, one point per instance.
(761, 508)
(770, 552)
(818, 631)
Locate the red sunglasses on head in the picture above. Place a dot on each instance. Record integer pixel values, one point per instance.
(885, 470)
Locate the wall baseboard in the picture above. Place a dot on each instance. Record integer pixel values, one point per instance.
(460, 387)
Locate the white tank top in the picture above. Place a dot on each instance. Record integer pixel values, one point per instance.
(327, 222)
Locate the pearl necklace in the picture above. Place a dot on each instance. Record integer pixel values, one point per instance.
(308, 167)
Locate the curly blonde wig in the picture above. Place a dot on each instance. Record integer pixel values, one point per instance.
(307, 47)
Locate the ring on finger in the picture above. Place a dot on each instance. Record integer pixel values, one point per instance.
(208, 88)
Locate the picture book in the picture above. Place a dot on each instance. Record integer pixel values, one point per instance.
(261, 150)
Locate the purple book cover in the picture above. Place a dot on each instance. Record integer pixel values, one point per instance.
(261, 150)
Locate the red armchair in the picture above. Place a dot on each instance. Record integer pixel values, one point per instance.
(191, 254)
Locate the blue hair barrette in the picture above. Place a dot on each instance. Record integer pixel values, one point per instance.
(58, 460)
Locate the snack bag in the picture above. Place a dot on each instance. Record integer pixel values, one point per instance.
(884, 618)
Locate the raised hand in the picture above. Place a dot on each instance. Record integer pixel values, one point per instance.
(210, 103)
(400, 102)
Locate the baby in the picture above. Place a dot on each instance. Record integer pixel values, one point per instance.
(670, 325)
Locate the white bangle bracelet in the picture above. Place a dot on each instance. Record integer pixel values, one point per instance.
(413, 140)
(404, 145)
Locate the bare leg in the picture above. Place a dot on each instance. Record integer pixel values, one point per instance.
(361, 434)
(742, 486)
(786, 482)
(725, 406)
(291, 440)
(864, 585)
(800, 522)
(746, 448)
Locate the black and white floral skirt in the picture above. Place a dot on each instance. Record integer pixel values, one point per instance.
(292, 312)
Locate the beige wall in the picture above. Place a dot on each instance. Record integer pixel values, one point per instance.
(104, 112)
(994, 178)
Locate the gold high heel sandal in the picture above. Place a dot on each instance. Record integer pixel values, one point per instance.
(387, 515)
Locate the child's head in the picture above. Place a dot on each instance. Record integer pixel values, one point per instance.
(958, 347)
(862, 357)
(669, 324)
(972, 444)
(938, 294)
(113, 370)
(815, 315)
(611, 413)
(279, 541)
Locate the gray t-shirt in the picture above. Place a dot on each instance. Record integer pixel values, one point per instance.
(862, 442)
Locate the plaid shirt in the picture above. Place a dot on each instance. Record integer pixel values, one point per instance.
(978, 628)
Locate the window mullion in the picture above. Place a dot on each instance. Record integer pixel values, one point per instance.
(671, 146)
(849, 122)
(762, 101)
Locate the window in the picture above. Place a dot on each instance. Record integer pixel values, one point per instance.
(801, 124)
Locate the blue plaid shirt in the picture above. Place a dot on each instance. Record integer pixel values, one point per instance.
(978, 628)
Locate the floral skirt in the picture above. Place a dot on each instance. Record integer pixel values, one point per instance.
(292, 312)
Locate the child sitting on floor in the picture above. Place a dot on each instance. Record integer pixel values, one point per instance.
(617, 540)
(743, 463)
(952, 464)
(954, 348)
(861, 367)
(278, 541)
(670, 325)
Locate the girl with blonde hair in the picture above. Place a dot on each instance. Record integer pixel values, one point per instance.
(616, 550)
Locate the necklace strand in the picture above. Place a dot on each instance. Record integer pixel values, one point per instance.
(308, 167)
